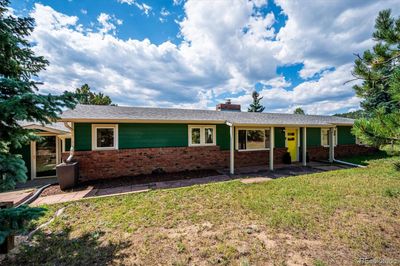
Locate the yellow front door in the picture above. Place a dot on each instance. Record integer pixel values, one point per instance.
(291, 140)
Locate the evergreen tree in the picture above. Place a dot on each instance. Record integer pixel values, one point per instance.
(299, 111)
(256, 106)
(85, 96)
(354, 114)
(379, 71)
(20, 100)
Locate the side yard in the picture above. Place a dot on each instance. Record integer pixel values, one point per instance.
(329, 218)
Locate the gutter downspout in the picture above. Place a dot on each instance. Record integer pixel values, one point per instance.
(71, 151)
(349, 164)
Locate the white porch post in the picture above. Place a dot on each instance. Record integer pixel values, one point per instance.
(331, 146)
(304, 146)
(33, 159)
(232, 150)
(271, 149)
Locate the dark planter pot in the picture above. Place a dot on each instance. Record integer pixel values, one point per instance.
(67, 175)
(287, 159)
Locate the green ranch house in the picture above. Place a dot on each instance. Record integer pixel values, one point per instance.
(113, 141)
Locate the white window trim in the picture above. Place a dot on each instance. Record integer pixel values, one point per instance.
(63, 139)
(33, 155)
(250, 128)
(202, 135)
(94, 136)
(335, 136)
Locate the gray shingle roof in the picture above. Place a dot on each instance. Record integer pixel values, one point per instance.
(100, 113)
(57, 125)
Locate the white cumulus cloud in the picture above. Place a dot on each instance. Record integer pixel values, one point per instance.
(227, 47)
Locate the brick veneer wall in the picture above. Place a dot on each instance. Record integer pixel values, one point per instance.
(341, 151)
(130, 162)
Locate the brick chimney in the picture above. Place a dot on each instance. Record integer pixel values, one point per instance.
(228, 106)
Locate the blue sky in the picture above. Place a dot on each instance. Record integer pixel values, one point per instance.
(194, 54)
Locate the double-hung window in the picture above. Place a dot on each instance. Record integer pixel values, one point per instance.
(253, 139)
(325, 137)
(201, 135)
(104, 137)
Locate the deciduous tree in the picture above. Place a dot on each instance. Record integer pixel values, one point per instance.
(299, 111)
(86, 96)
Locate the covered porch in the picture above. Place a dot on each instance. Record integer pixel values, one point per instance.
(295, 144)
(42, 156)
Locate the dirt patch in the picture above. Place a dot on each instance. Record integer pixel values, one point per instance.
(266, 239)
(131, 180)
(55, 189)
(220, 244)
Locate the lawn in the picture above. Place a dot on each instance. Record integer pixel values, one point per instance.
(329, 218)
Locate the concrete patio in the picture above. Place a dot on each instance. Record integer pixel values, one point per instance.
(36, 183)
(261, 174)
(284, 170)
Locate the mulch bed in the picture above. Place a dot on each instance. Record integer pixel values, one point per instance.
(131, 180)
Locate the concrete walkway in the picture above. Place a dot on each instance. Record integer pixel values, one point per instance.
(91, 192)
(16, 196)
(36, 183)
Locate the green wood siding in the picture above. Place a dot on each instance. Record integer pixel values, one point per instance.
(345, 136)
(176, 135)
(25, 152)
(279, 137)
(152, 135)
(313, 137)
(67, 145)
(223, 137)
(83, 136)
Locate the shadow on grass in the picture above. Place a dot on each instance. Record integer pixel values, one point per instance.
(364, 159)
(60, 248)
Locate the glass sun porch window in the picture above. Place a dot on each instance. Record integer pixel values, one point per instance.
(253, 139)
